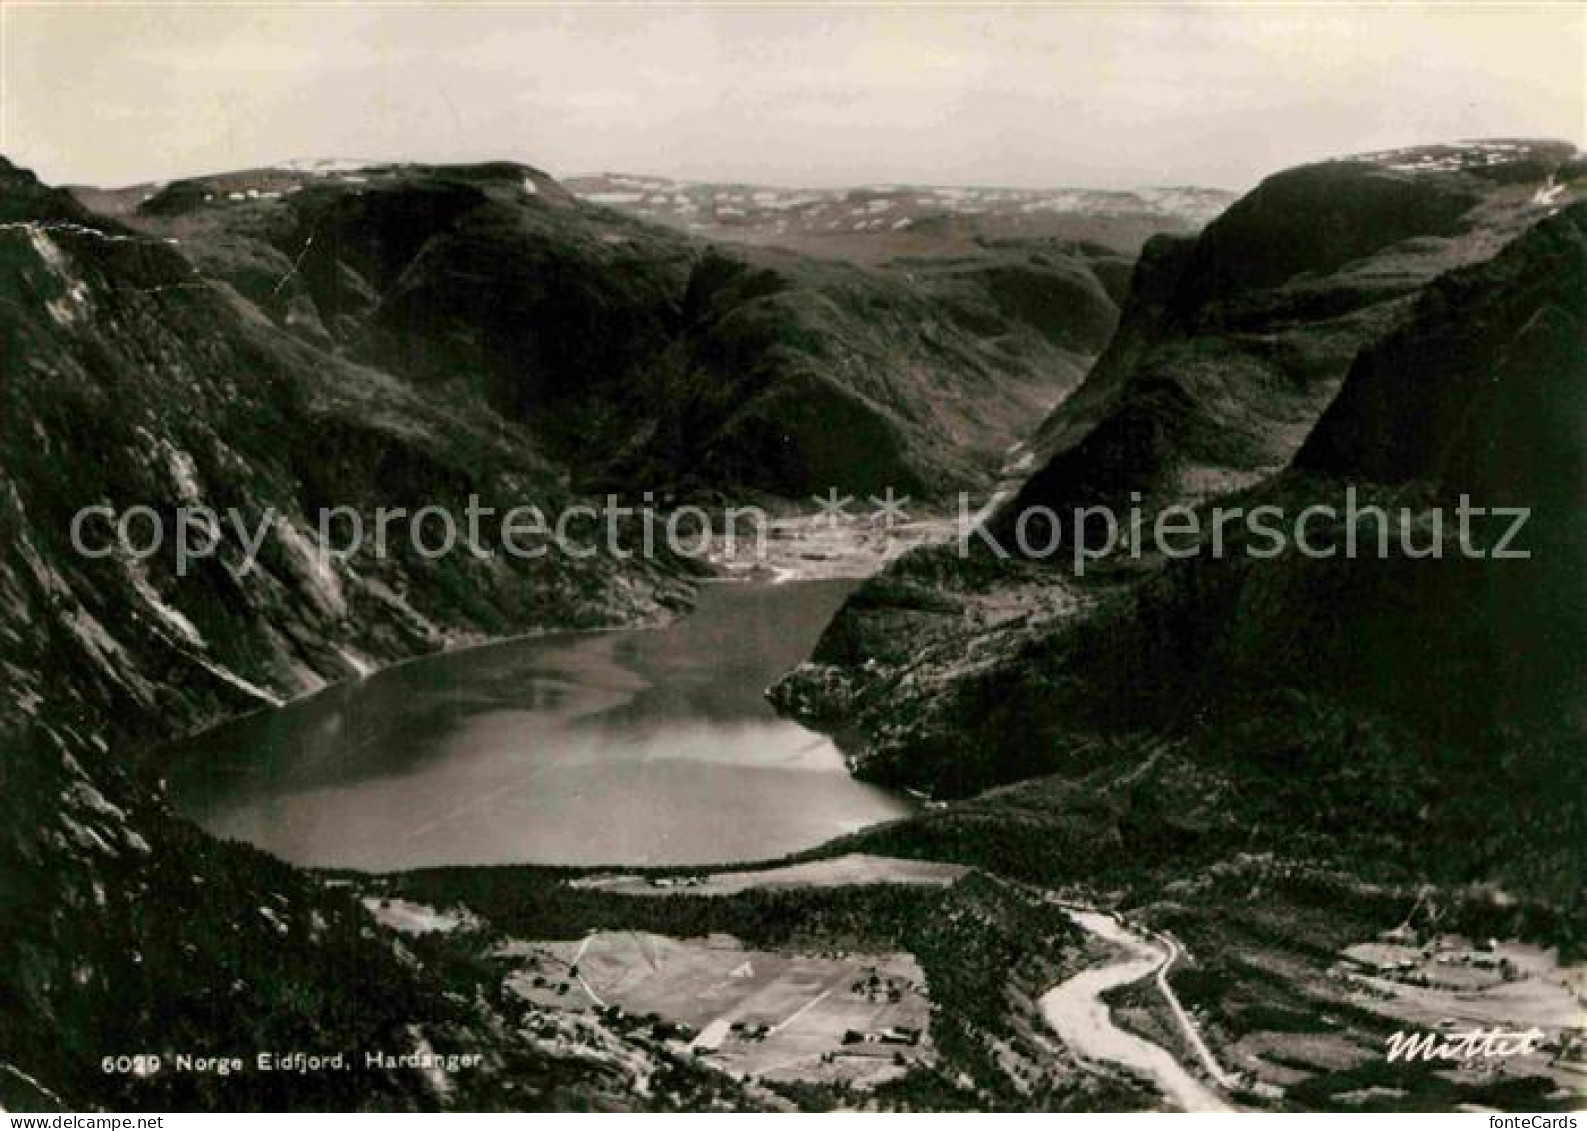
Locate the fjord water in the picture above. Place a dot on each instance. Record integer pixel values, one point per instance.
(623, 747)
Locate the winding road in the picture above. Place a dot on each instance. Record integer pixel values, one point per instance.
(1075, 1010)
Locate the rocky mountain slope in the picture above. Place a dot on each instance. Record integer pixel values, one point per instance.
(1353, 701)
(1289, 760)
(258, 346)
(1233, 342)
(631, 351)
(132, 379)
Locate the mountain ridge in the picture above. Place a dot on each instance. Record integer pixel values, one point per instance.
(955, 674)
(128, 380)
(574, 321)
(1235, 342)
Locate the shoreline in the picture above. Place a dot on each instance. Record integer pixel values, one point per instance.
(721, 571)
(222, 779)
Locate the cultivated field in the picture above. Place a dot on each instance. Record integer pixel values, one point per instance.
(838, 871)
(835, 1016)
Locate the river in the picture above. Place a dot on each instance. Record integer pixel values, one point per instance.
(622, 747)
(1076, 1010)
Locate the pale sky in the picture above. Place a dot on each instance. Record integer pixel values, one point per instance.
(812, 94)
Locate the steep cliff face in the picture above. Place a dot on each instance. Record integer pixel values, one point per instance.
(1480, 396)
(129, 378)
(1407, 689)
(791, 376)
(238, 354)
(1481, 391)
(234, 356)
(1233, 343)
(133, 380)
(637, 355)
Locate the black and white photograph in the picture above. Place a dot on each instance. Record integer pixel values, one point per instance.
(812, 557)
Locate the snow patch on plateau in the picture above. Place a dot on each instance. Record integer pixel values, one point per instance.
(322, 164)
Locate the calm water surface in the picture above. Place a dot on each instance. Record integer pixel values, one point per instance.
(606, 748)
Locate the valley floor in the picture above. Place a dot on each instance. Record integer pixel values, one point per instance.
(888, 983)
